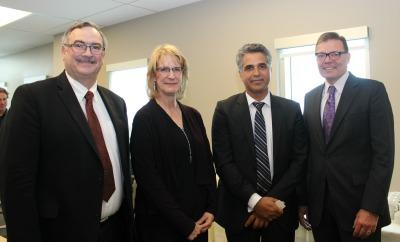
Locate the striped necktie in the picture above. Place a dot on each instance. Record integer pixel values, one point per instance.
(261, 148)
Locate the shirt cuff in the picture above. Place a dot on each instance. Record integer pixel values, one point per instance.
(253, 201)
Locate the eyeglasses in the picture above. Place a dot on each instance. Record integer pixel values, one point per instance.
(334, 55)
(81, 47)
(167, 70)
(260, 67)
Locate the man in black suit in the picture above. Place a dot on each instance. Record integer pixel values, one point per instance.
(65, 154)
(350, 126)
(259, 153)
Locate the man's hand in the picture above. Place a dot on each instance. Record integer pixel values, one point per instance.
(365, 224)
(303, 217)
(205, 221)
(196, 231)
(267, 208)
(256, 221)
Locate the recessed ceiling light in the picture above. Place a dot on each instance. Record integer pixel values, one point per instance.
(8, 15)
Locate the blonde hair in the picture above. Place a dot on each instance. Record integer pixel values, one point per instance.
(158, 52)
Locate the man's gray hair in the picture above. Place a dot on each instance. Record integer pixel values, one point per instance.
(252, 48)
(79, 25)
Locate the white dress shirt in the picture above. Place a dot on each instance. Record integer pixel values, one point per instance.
(266, 111)
(110, 139)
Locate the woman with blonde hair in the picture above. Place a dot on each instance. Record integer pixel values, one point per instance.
(171, 158)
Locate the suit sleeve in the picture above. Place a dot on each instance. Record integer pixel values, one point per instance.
(19, 157)
(223, 157)
(148, 178)
(297, 148)
(301, 189)
(210, 172)
(382, 144)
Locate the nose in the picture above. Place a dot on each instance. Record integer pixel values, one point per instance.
(256, 71)
(88, 51)
(171, 74)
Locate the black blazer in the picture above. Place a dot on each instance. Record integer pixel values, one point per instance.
(357, 162)
(160, 214)
(234, 157)
(51, 174)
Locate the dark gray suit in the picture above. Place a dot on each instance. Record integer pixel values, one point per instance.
(234, 157)
(357, 163)
(51, 174)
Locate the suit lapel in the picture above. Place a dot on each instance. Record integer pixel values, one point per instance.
(70, 101)
(350, 91)
(315, 111)
(243, 114)
(276, 113)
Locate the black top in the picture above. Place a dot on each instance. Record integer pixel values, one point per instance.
(173, 169)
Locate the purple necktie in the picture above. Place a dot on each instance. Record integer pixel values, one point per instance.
(329, 113)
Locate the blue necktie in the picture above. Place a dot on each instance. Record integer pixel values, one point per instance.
(329, 113)
(260, 142)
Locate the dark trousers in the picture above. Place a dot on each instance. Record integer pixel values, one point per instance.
(113, 229)
(273, 233)
(329, 231)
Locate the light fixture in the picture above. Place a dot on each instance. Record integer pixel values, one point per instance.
(8, 15)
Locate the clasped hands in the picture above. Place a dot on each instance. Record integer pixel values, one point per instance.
(264, 212)
(201, 225)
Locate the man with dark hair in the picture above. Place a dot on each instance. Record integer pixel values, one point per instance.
(350, 126)
(260, 147)
(64, 153)
(3, 104)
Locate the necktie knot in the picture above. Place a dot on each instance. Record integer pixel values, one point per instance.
(89, 96)
(331, 90)
(258, 105)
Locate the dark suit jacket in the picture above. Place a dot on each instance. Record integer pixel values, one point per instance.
(357, 162)
(165, 209)
(51, 174)
(234, 157)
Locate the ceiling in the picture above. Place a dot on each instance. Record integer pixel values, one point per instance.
(51, 17)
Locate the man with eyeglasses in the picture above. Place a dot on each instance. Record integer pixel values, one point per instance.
(259, 150)
(64, 153)
(350, 126)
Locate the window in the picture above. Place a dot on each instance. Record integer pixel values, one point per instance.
(128, 80)
(298, 70)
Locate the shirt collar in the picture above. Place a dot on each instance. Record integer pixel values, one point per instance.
(339, 84)
(266, 100)
(79, 89)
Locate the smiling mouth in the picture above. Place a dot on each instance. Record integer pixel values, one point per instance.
(329, 68)
(87, 62)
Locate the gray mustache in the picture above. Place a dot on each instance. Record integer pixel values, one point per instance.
(84, 59)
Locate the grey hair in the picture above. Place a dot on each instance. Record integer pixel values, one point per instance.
(79, 25)
(252, 48)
